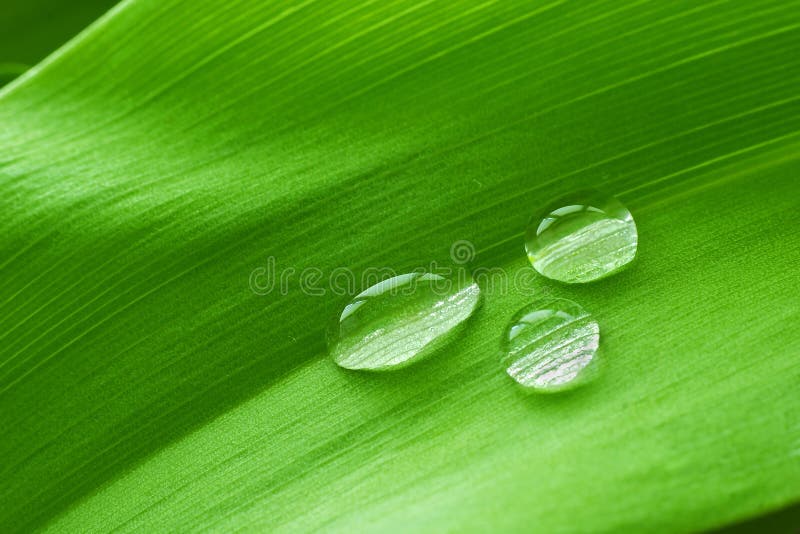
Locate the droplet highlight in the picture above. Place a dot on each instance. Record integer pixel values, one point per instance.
(581, 238)
(551, 345)
(400, 321)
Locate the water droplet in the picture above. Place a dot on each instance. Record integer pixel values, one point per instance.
(551, 345)
(581, 238)
(400, 320)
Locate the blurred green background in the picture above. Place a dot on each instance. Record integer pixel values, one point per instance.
(31, 29)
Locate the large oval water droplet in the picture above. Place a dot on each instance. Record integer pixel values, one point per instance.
(400, 320)
(551, 345)
(581, 238)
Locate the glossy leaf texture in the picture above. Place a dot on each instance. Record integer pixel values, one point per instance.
(151, 165)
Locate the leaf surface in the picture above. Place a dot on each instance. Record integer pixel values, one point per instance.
(152, 164)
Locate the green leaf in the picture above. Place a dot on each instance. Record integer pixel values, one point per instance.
(156, 161)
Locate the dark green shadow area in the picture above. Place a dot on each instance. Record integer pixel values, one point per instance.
(783, 521)
(9, 71)
(31, 29)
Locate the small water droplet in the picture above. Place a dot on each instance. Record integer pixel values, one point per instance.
(581, 238)
(551, 345)
(400, 320)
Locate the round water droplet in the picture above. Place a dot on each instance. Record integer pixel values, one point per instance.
(400, 320)
(581, 238)
(551, 345)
